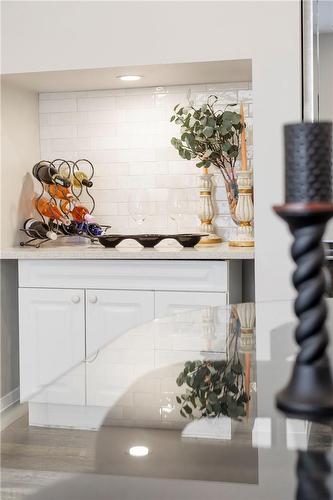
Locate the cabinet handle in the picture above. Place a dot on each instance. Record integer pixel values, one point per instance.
(76, 299)
(93, 299)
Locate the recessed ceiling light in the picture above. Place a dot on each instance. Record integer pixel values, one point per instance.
(138, 451)
(129, 78)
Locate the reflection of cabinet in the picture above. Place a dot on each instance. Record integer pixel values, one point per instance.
(110, 313)
(69, 309)
(167, 303)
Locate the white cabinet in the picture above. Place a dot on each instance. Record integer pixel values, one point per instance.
(51, 336)
(70, 309)
(168, 303)
(109, 313)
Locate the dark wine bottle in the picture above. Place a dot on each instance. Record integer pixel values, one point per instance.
(38, 229)
(44, 172)
(70, 230)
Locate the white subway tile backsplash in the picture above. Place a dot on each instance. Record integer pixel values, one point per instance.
(111, 195)
(220, 193)
(126, 134)
(134, 102)
(176, 181)
(137, 181)
(160, 195)
(105, 169)
(69, 144)
(63, 155)
(216, 87)
(108, 182)
(145, 168)
(96, 130)
(167, 153)
(122, 208)
(224, 221)
(151, 224)
(110, 208)
(169, 100)
(225, 98)
(96, 103)
(97, 157)
(245, 95)
(119, 223)
(183, 167)
(134, 155)
(72, 118)
(57, 105)
(60, 131)
(144, 128)
(95, 117)
(151, 115)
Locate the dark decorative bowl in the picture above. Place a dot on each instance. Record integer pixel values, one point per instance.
(150, 240)
(188, 240)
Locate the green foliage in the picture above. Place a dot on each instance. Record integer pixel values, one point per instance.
(210, 135)
(214, 388)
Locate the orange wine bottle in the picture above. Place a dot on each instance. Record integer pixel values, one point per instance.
(60, 192)
(79, 212)
(50, 209)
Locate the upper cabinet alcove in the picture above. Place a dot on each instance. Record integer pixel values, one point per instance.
(157, 75)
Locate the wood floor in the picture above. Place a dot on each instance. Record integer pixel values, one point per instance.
(39, 448)
(35, 457)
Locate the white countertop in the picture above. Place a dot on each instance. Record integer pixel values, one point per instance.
(96, 251)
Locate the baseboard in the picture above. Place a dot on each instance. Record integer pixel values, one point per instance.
(9, 399)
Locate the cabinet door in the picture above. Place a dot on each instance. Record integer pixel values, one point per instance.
(109, 313)
(52, 338)
(168, 303)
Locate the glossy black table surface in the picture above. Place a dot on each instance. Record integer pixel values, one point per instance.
(187, 412)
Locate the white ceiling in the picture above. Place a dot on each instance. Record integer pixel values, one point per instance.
(153, 76)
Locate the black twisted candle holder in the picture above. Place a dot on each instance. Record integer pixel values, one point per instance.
(313, 471)
(309, 392)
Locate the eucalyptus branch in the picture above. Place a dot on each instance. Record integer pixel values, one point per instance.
(205, 129)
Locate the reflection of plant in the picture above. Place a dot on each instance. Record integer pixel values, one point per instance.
(214, 388)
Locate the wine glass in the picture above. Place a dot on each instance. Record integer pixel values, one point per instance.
(179, 205)
(140, 205)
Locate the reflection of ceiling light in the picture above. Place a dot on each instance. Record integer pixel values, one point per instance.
(138, 451)
(129, 78)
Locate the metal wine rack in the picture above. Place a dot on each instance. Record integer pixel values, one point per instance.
(68, 170)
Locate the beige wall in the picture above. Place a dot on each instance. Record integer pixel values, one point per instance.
(19, 152)
(326, 76)
(326, 89)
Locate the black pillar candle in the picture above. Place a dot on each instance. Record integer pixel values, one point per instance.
(308, 162)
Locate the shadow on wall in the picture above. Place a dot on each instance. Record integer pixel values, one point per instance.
(25, 210)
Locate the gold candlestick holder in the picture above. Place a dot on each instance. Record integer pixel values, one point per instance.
(244, 211)
(206, 213)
